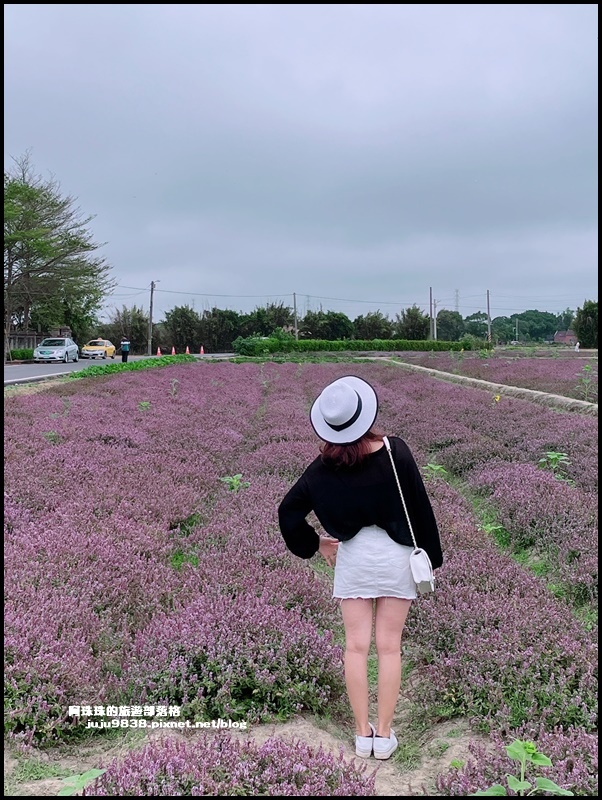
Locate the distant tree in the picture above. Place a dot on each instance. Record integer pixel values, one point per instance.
(537, 326)
(450, 326)
(161, 338)
(585, 324)
(217, 330)
(564, 321)
(476, 325)
(329, 325)
(78, 312)
(81, 317)
(502, 329)
(129, 322)
(51, 267)
(373, 325)
(412, 324)
(182, 327)
(262, 321)
(310, 325)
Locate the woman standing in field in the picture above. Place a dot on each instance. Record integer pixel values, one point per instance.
(352, 491)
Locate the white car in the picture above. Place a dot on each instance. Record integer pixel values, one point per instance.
(64, 350)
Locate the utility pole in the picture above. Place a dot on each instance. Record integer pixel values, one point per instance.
(488, 319)
(295, 316)
(457, 303)
(435, 320)
(149, 342)
(432, 329)
(517, 329)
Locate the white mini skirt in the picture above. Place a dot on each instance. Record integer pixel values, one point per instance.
(373, 565)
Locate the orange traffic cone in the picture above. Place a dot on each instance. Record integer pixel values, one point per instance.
(158, 351)
(202, 350)
(173, 351)
(187, 350)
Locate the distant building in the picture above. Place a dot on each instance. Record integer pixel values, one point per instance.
(565, 337)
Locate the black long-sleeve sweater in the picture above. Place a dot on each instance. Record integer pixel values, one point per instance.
(348, 499)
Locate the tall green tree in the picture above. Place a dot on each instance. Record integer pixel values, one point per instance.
(476, 325)
(585, 324)
(565, 320)
(217, 330)
(182, 327)
(264, 320)
(51, 261)
(373, 325)
(502, 330)
(450, 326)
(412, 324)
(129, 322)
(329, 325)
(537, 326)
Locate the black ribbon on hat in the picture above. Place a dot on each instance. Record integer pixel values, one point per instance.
(350, 421)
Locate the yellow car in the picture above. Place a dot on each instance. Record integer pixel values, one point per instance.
(98, 348)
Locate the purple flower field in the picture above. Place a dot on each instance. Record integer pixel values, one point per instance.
(557, 373)
(152, 582)
(219, 766)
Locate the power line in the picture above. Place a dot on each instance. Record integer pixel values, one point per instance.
(372, 302)
(205, 294)
(318, 298)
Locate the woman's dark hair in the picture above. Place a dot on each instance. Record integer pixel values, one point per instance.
(350, 455)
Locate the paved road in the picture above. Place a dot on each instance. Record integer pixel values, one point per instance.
(25, 373)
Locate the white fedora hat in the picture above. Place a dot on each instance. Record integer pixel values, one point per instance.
(345, 410)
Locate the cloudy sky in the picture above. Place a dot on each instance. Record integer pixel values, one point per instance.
(355, 155)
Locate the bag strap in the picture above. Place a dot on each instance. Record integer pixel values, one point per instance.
(405, 508)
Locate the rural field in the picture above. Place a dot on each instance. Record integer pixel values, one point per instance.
(569, 374)
(146, 581)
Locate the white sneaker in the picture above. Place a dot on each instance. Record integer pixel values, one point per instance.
(384, 748)
(363, 744)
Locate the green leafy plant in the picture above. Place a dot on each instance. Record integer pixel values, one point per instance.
(179, 558)
(525, 752)
(557, 462)
(235, 482)
(497, 531)
(434, 470)
(144, 405)
(491, 527)
(76, 783)
(52, 436)
(587, 386)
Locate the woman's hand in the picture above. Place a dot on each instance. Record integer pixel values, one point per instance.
(328, 550)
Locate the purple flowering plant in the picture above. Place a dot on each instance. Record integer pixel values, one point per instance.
(155, 581)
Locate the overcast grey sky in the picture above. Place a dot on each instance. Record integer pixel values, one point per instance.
(353, 154)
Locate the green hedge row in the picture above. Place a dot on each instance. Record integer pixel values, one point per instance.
(257, 346)
(21, 354)
(145, 363)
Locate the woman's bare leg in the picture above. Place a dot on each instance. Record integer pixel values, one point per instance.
(391, 614)
(357, 618)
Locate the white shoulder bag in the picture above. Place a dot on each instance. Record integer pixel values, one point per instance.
(420, 563)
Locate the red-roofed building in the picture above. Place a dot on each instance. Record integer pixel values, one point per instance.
(565, 337)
